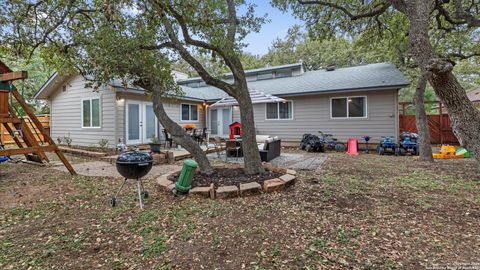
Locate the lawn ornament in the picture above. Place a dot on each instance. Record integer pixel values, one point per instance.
(331, 143)
(408, 144)
(448, 151)
(387, 145)
(312, 143)
(352, 146)
(366, 138)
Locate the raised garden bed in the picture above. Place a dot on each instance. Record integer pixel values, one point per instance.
(231, 181)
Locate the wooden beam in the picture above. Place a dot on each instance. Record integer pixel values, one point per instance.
(13, 76)
(10, 120)
(27, 150)
(39, 126)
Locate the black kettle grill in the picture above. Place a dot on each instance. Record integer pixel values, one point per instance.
(133, 165)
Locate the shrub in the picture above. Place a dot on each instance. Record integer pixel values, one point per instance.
(103, 144)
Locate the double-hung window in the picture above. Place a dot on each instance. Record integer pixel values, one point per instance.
(279, 110)
(348, 107)
(91, 113)
(189, 112)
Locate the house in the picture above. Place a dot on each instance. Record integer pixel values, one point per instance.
(347, 102)
(474, 97)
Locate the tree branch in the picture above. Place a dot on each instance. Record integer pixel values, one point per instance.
(187, 56)
(377, 10)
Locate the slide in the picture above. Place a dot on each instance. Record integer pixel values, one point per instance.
(352, 146)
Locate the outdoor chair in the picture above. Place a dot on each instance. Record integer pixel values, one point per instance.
(168, 140)
(193, 133)
(201, 138)
(271, 149)
(232, 147)
(217, 143)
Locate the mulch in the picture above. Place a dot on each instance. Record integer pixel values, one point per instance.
(231, 177)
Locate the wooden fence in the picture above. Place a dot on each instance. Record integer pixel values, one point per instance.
(6, 137)
(438, 125)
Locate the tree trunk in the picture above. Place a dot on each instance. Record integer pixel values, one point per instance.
(463, 115)
(425, 148)
(180, 136)
(251, 155)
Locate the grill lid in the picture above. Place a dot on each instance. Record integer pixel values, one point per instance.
(134, 157)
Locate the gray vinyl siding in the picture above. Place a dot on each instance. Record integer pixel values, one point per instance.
(66, 110)
(312, 113)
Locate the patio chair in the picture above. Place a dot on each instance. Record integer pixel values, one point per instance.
(201, 138)
(232, 146)
(167, 138)
(194, 134)
(217, 143)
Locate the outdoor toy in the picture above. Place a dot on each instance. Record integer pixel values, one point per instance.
(408, 144)
(448, 151)
(464, 152)
(311, 143)
(352, 146)
(366, 138)
(331, 143)
(387, 145)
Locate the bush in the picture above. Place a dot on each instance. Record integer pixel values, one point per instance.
(103, 144)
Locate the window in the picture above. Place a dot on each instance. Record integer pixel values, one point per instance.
(279, 110)
(264, 76)
(284, 73)
(349, 107)
(91, 113)
(189, 112)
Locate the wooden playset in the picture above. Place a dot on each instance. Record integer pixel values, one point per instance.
(18, 128)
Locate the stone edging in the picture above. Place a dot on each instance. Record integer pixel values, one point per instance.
(253, 188)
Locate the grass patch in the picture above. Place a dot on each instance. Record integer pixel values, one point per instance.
(153, 247)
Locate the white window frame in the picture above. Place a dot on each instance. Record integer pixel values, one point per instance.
(189, 113)
(278, 112)
(91, 111)
(348, 117)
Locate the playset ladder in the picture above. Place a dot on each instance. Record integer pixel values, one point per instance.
(18, 128)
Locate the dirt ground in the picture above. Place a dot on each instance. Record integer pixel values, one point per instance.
(363, 212)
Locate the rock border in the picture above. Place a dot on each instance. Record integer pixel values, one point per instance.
(164, 184)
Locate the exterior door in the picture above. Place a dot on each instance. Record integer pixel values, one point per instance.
(220, 120)
(141, 122)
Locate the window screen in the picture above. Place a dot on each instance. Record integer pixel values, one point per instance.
(356, 107)
(185, 112)
(285, 109)
(86, 113)
(194, 111)
(339, 107)
(272, 111)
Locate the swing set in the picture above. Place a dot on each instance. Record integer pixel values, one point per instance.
(18, 128)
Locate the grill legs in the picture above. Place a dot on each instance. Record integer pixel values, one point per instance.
(140, 190)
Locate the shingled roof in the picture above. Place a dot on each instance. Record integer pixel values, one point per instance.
(370, 77)
(365, 77)
(474, 95)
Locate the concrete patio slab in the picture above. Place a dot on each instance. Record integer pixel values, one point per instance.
(101, 168)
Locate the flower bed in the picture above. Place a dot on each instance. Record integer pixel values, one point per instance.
(229, 181)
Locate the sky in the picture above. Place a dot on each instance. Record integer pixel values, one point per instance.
(258, 43)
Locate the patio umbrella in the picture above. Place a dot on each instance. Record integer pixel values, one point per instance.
(256, 96)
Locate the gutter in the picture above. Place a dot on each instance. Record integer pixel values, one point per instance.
(44, 85)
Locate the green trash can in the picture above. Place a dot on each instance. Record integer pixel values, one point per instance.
(184, 181)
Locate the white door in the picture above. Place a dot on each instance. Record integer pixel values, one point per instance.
(141, 122)
(220, 120)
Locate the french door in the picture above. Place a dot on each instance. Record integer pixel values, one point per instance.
(141, 122)
(220, 120)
